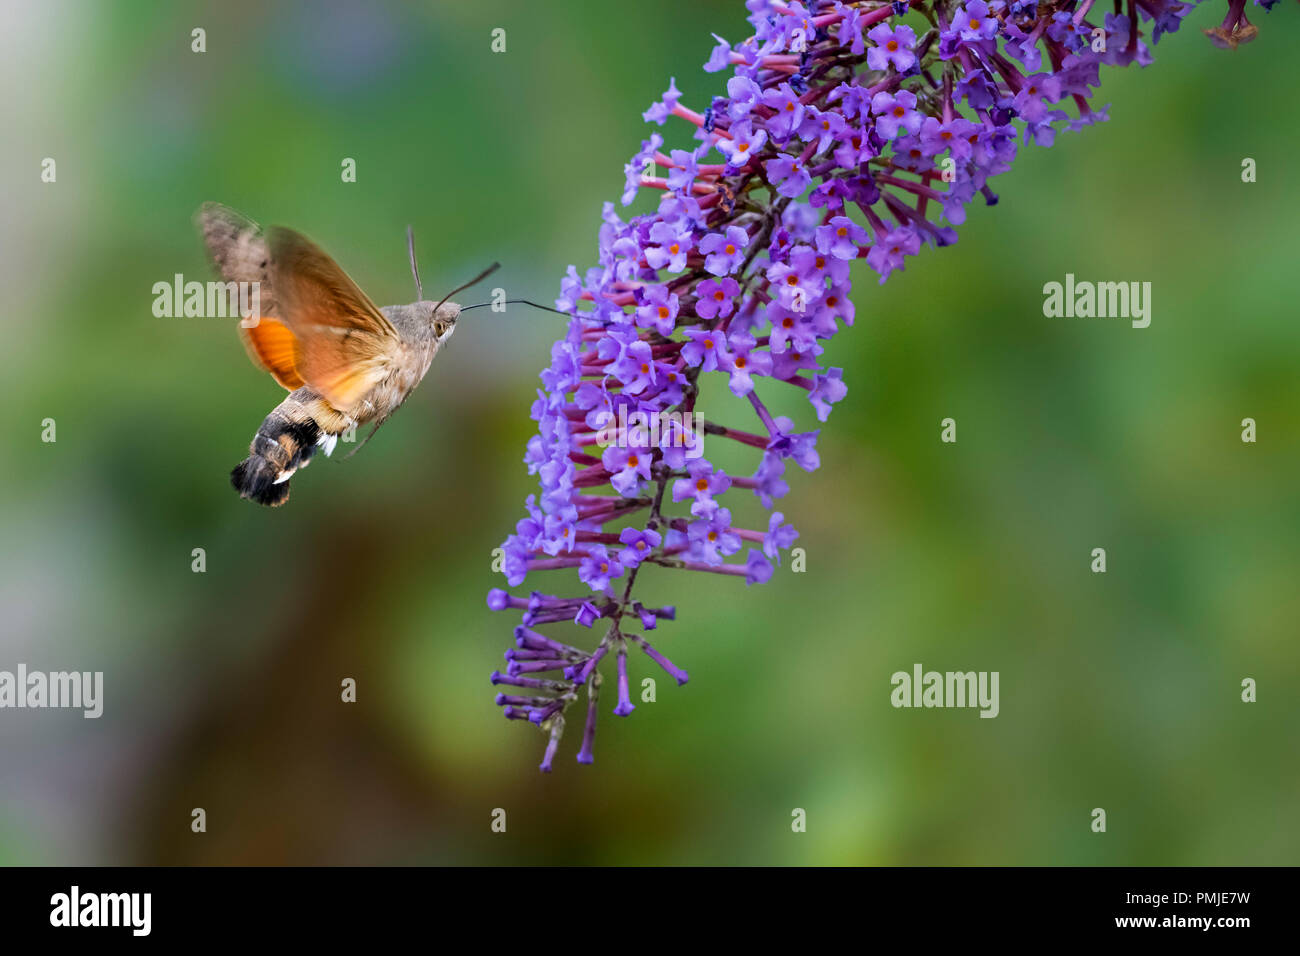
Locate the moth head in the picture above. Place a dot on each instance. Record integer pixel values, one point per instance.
(443, 317)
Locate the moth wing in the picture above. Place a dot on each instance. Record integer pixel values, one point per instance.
(343, 345)
(238, 249)
(239, 252)
(272, 346)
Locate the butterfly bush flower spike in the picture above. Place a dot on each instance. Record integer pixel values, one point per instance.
(846, 132)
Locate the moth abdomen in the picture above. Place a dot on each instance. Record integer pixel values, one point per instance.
(254, 478)
(286, 441)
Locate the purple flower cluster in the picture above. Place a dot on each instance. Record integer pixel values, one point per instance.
(848, 131)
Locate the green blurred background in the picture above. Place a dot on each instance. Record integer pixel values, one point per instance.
(222, 689)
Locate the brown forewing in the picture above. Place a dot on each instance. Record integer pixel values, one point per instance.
(343, 345)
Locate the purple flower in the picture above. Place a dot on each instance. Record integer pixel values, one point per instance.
(744, 362)
(850, 31)
(973, 22)
(887, 253)
(588, 614)
(716, 299)
(637, 545)
(657, 309)
(685, 168)
(791, 332)
(768, 482)
(598, 568)
(663, 109)
(711, 537)
(824, 127)
(637, 369)
(724, 252)
(793, 284)
(743, 144)
(704, 349)
(779, 535)
(635, 169)
(700, 485)
(789, 111)
(720, 57)
(841, 237)
(827, 388)
(757, 568)
(787, 364)
(790, 173)
(627, 468)
(895, 111)
(743, 94)
(1036, 92)
(799, 447)
(672, 243)
(893, 47)
(956, 136)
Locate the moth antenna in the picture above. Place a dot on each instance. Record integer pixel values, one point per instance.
(535, 305)
(415, 269)
(474, 281)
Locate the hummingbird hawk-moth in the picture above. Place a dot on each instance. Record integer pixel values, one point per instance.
(344, 361)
